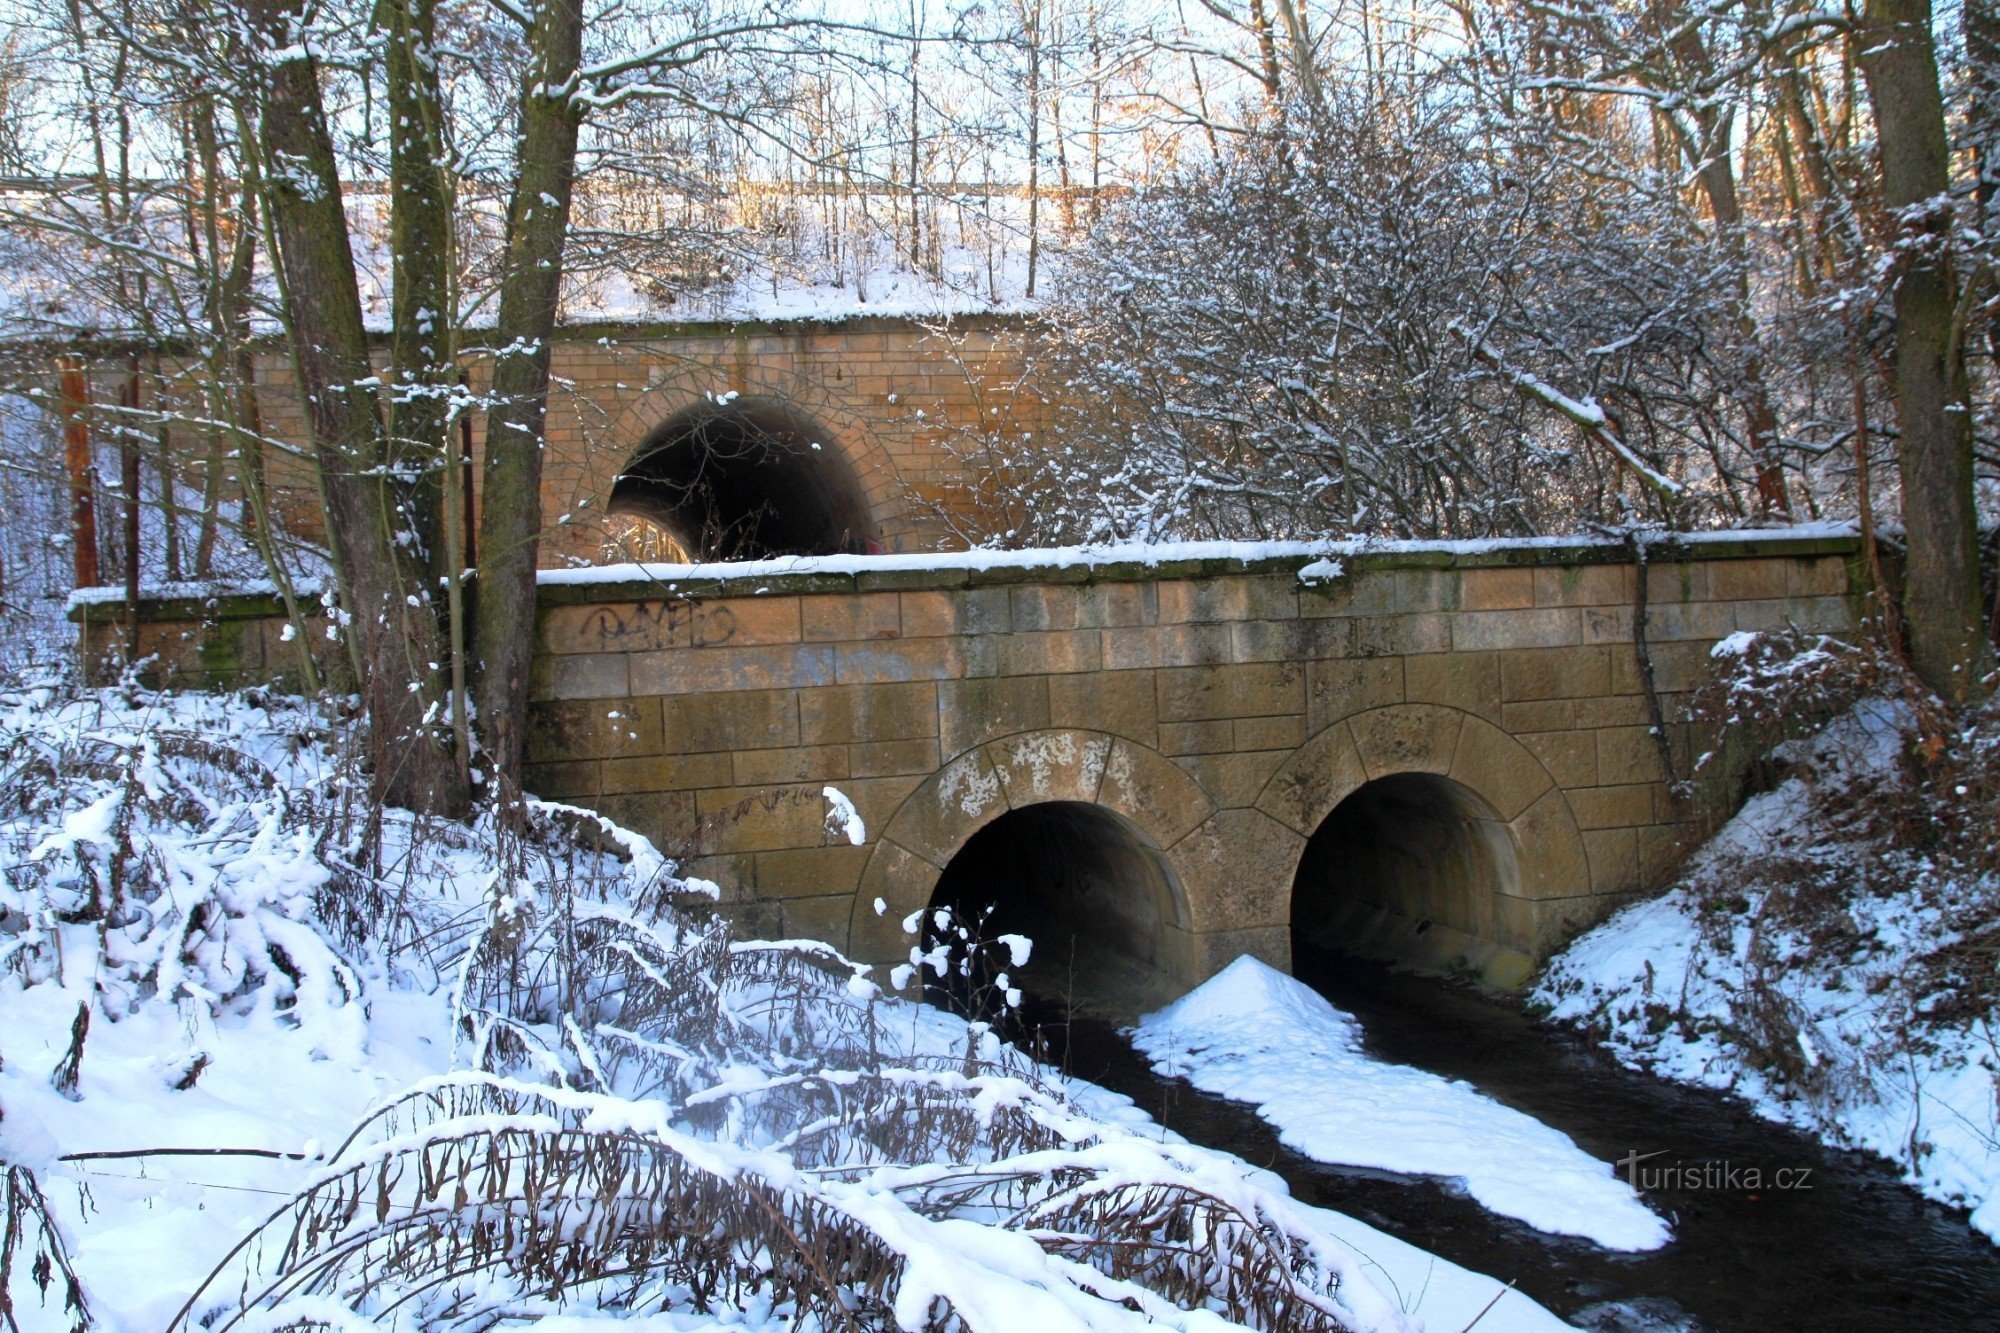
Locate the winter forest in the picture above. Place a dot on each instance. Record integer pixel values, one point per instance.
(1011, 665)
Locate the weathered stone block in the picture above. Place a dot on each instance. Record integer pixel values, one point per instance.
(1549, 854)
(1104, 605)
(851, 617)
(1693, 620)
(594, 728)
(811, 872)
(1494, 766)
(1040, 608)
(1547, 627)
(1628, 755)
(972, 712)
(799, 763)
(701, 670)
(1676, 581)
(1165, 646)
(760, 819)
(592, 676)
(1238, 778)
(1470, 681)
(1050, 766)
(868, 713)
(899, 659)
(957, 802)
(819, 919)
(1321, 774)
(1409, 635)
(1607, 624)
(1269, 733)
(1496, 589)
(1340, 689)
(1291, 640)
(1055, 653)
(1612, 807)
(1153, 792)
(576, 779)
(1124, 703)
(754, 719)
(1614, 859)
(1747, 580)
(1554, 673)
(1569, 756)
(1818, 576)
(1584, 585)
(1211, 737)
(1382, 592)
(667, 772)
(1251, 690)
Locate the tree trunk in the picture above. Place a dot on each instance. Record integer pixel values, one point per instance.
(510, 520)
(394, 632)
(1941, 603)
(422, 350)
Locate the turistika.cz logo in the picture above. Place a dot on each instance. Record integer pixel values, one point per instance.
(1732, 1176)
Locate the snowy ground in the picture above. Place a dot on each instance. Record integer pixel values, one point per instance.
(1735, 980)
(1253, 1034)
(226, 1015)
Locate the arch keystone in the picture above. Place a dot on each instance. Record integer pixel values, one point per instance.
(1041, 766)
(1406, 738)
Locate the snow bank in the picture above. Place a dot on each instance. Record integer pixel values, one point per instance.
(205, 1040)
(1685, 985)
(1255, 1035)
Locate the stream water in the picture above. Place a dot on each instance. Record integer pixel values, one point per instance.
(1853, 1250)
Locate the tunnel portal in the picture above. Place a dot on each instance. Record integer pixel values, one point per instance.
(1407, 869)
(1084, 884)
(745, 478)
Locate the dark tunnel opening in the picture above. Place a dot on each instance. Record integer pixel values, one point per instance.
(1408, 869)
(746, 478)
(1083, 884)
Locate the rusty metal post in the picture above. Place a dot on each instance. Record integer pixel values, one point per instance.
(73, 402)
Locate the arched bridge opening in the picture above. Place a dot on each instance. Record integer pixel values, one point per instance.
(1084, 884)
(743, 479)
(1407, 869)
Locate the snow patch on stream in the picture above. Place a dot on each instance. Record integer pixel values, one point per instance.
(1255, 1035)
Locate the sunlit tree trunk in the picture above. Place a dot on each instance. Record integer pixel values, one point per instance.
(510, 522)
(394, 631)
(1941, 603)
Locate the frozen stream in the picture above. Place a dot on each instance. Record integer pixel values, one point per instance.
(1856, 1250)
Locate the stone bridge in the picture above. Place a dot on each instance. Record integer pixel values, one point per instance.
(1442, 754)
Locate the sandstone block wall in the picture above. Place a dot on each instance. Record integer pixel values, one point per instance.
(1223, 707)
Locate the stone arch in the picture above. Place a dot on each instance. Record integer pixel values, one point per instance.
(692, 381)
(1455, 765)
(746, 478)
(1139, 786)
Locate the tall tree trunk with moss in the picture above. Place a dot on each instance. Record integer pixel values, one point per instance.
(394, 630)
(510, 520)
(1941, 603)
